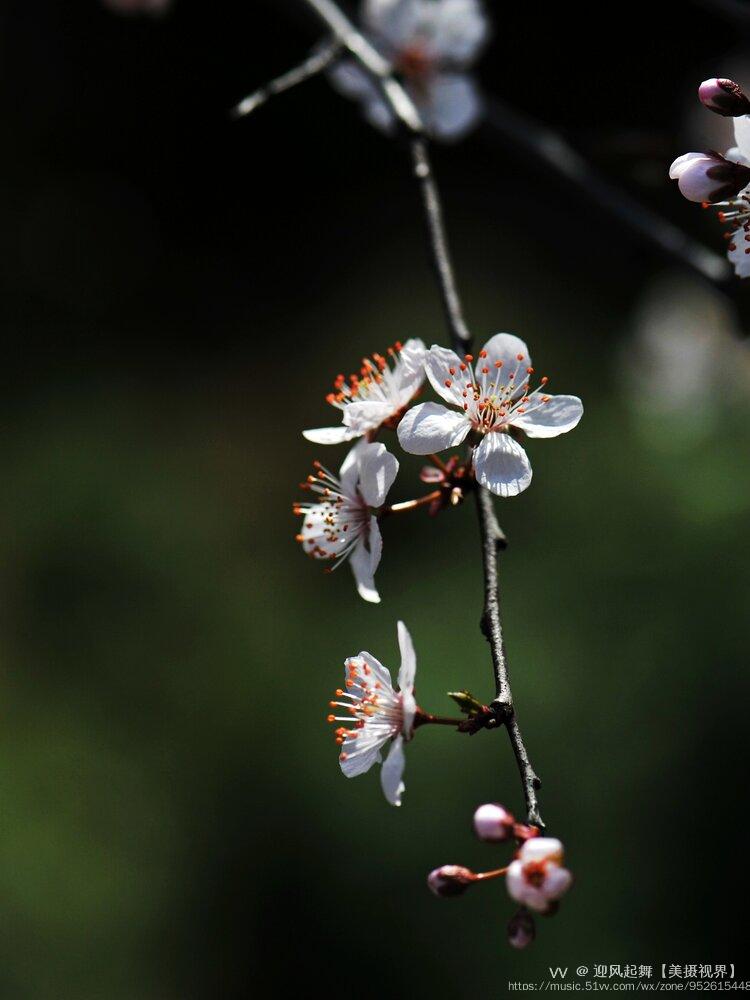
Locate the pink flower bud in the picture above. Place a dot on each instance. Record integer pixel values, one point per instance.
(450, 880)
(492, 822)
(723, 97)
(709, 176)
(521, 929)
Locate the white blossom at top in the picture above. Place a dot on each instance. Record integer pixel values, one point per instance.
(734, 209)
(537, 878)
(377, 395)
(428, 43)
(377, 713)
(339, 524)
(494, 399)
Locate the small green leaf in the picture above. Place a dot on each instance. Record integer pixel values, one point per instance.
(466, 702)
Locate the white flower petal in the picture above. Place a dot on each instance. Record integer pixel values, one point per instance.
(365, 415)
(458, 29)
(742, 135)
(557, 882)
(408, 659)
(329, 435)
(453, 106)
(505, 347)
(350, 79)
(349, 471)
(379, 672)
(439, 363)
(738, 257)
(430, 427)
(395, 22)
(360, 754)
(502, 465)
(546, 420)
(409, 373)
(361, 562)
(377, 471)
(392, 772)
(542, 849)
(681, 164)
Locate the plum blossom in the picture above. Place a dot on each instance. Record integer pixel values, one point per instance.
(494, 400)
(378, 395)
(428, 43)
(378, 713)
(537, 878)
(723, 181)
(340, 525)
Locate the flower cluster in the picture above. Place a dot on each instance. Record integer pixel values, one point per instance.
(492, 407)
(429, 44)
(723, 181)
(535, 878)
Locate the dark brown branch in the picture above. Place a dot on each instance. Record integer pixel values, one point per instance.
(440, 254)
(318, 60)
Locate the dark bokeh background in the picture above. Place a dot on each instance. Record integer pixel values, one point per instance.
(176, 292)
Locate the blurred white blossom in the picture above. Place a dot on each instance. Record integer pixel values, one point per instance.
(537, 877)
(684, 363)
(493, 399)
(340, 525)
(377, 713)
(429, 43)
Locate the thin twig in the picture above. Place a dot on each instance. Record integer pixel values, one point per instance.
(493, 539)
(433, 210)
(318, 60)
(524, 136)
(371, 60)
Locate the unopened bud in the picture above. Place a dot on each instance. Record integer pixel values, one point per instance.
(724, 97)
(709, 176)
(493, 822)
(450, 880)
(521, 929)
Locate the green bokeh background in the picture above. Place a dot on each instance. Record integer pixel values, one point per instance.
(173, 822)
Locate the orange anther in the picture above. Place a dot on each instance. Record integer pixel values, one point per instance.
(519, 357)
(448, 383)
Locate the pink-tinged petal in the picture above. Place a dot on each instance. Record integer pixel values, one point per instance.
(742, 135)
(520, 889)
(361, 564)
(502, 465)
(505, 348)
(408, 659)
(442, 366)
(557, 882)
(542, 849)
(391, 774)
(365, 415)
(430, 427)
(546, 420)
(329, 435)
(681, 164)
(453, 106)
(738, 255)
(377, 471)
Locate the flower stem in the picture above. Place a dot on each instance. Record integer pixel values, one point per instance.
(486, 876)
(318, 60)
(398, 508)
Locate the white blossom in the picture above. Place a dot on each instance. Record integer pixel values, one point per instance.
(379, 394)
(377, 713)
(537, 878)
(725, 183)
(494, 400)
(339, 524)
(428, 43)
